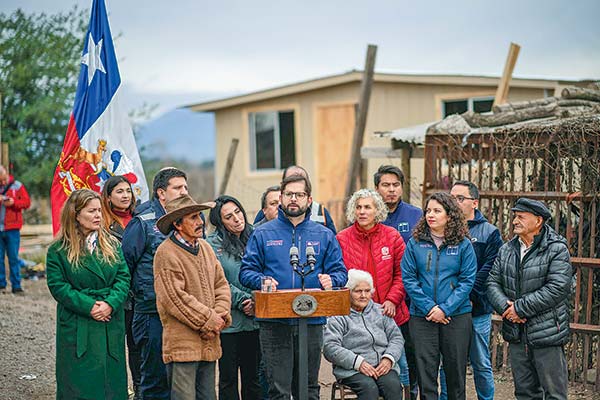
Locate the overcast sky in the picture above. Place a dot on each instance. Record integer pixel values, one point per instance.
(184, 51)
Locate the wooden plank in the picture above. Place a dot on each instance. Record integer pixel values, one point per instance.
(278, 304)
(361, 120)
(406, 156)
(228, 165)
(509, 66)
(380, 152)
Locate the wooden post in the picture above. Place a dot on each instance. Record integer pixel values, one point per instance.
(361, 120)
(228, 166)
(511, 60)
(406, 156)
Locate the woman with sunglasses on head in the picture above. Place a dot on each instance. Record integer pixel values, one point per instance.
(118, 203)
(240, 343)
(89, 279)
(438, 270)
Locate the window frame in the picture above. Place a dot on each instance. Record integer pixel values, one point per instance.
(276, 138)
(470, 102)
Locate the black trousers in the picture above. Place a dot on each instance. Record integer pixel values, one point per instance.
(431, 341)
(539, 373)
(133, 351)
(367, 388)
(241, 351)
(409, 349)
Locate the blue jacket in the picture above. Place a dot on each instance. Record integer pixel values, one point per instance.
(140, 241)
(403, 219)
(268, 254)
(486, 241)
(441, 277)
(320, 215)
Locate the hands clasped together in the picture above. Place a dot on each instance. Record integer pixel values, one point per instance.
(438, 316)
(376, 372)
(218, 320)
(101, 311)
(511, 315)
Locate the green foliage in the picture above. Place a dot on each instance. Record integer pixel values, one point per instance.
(39, 66)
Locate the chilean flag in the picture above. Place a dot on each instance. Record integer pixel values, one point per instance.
(99, 142)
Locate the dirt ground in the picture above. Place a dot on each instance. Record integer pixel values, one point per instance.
(27, 329)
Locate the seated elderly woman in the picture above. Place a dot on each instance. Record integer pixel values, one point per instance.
(364, 347)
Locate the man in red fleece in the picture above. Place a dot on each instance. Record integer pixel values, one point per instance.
(13, 200)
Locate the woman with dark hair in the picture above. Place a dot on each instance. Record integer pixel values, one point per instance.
(438, 270)
(240, 341)
(118, 203)
(89, 279)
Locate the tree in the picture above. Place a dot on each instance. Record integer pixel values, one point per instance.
(39, 66)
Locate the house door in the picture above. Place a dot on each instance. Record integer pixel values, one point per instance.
(334, 129)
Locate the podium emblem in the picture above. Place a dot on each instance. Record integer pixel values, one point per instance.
(304, 305)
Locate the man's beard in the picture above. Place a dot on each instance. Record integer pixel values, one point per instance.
(295, 212)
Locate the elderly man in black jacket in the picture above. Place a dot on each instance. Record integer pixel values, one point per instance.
(529, 285)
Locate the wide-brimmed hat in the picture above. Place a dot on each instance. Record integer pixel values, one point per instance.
(178, 208)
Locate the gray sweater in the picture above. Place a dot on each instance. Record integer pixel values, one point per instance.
(366, 335)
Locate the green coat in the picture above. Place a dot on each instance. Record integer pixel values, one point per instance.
(90, 355)
(239, 293)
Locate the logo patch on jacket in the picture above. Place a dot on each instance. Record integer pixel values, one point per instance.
(403, 227)
(425, 245)
(315, 244)
(473, 239)
(385, 253)
(452, 250)
(274, 243)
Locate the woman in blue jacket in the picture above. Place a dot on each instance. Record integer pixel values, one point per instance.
(438, 271)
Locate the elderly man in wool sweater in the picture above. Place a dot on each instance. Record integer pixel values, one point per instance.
(193, 301)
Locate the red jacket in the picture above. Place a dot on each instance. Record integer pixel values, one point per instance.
(386, 247)
(13, 219)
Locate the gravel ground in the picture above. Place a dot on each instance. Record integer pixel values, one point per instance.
(27, 329)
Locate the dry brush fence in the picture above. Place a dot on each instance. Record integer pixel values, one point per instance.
(556, 160)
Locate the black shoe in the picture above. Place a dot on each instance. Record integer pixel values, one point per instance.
(18, 291)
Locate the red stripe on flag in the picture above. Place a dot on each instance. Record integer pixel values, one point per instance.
(74, 171)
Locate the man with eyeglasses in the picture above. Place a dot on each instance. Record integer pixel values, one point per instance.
(486, 241)
(268, 254)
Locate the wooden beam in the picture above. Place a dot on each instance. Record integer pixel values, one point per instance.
(228, 165)
(361, 120)
(406, 156)
(379, 152)
(503, 87)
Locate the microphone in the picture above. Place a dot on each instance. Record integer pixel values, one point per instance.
(310, 257)
(294, 261)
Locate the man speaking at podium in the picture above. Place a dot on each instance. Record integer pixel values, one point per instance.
(268, 254)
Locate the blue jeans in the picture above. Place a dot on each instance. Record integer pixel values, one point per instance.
(9, 245)
(147, 334)
(479, 354)
(403, 364)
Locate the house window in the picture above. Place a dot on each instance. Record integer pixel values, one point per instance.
(272, 140)
(459, 106)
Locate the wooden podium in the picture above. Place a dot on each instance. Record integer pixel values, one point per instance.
(295, 303)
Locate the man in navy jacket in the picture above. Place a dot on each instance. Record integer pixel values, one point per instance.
(268, 254)
(486, 241)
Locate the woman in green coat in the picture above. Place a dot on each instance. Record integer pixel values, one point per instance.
(89, 279)
(240, 344)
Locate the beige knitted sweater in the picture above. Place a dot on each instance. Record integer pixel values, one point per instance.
(189, 289)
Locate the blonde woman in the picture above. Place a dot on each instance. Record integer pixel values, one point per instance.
(89, 279)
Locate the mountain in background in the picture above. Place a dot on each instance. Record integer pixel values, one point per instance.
(181, 135)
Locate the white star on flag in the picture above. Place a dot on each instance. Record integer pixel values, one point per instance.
(92, 58)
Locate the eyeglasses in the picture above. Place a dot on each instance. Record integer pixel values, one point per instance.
(461, 198)
(299, 195)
